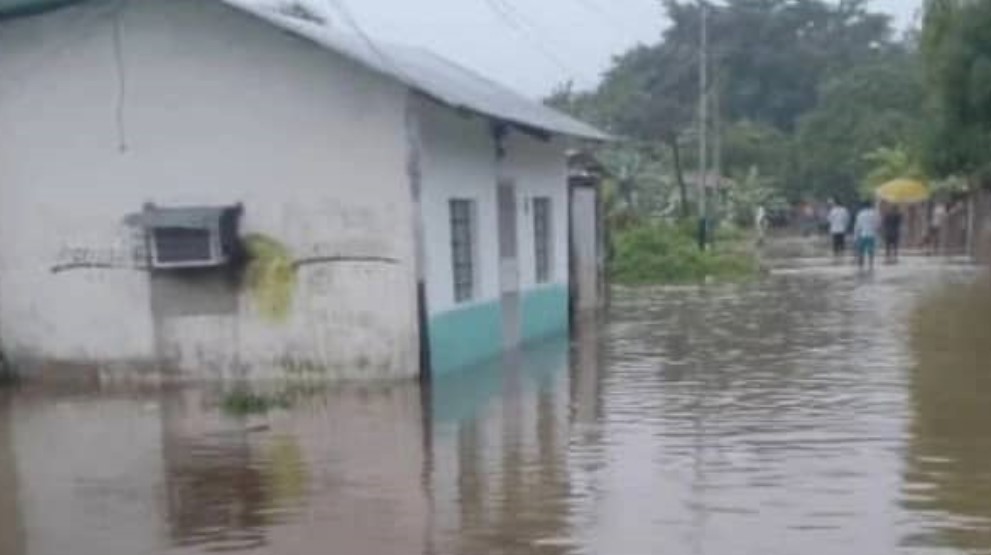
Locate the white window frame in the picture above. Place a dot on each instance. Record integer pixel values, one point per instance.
(216, 255)
(472, 246)
(548, 236)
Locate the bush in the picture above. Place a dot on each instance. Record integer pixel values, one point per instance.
(661, 253)
(244, 403)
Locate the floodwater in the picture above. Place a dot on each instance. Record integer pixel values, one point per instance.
(816, 412)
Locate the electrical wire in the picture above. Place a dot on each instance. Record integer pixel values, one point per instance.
(121, 68)
(341, 7)
(604, 15)
(509, 15)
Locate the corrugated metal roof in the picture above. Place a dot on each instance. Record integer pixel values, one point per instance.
(428, 73)
(16, 8)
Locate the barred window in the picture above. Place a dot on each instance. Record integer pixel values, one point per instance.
(542, 238)
(463, 248)
(178, 245)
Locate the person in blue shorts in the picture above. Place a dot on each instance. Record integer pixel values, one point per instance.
(865, 231)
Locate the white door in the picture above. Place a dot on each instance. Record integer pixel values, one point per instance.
(509, 266)
(584, 248)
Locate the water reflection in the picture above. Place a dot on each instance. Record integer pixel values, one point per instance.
(216, 494)
(816, 412)
(89, 473)
(948, 477)
(500, 478)
(750, 416)
(11, 534)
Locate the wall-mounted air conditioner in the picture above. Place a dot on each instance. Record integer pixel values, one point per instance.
(189, 237)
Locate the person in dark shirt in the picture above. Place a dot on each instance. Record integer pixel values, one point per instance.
(892, 225)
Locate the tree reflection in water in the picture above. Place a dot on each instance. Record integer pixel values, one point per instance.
(948, 474)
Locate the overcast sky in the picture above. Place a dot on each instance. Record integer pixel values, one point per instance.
(530, 45)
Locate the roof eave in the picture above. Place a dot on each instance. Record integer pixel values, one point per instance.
(582, 131)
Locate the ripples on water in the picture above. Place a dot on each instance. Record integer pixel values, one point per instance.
(816, 412)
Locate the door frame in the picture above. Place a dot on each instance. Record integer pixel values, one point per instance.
(507, 218)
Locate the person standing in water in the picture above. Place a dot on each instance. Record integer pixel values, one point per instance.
(935, 238)
(839, 222)
(865, 234)
(892, 233)
(760, 223)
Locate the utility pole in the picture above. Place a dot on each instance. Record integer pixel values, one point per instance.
(703, 125)
(717, 126)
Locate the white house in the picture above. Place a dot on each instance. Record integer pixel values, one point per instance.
(384, 196)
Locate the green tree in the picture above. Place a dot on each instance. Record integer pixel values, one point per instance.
(753, 145)
(806, 87)
(956, 46)
(890, 163)
(869, 106)
(772, 55)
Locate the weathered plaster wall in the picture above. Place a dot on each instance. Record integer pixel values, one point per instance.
(585, 247)
(459, 161)
(201, 104)
(539, 169)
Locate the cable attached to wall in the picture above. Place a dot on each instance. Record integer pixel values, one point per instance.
(118, 35)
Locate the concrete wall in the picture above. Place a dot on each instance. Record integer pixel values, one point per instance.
(585, 248)
(540, 169)
(458, 160)
(207, 106)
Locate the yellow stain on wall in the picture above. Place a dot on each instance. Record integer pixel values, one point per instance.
(270, 276)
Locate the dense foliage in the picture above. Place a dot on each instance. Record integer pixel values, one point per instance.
(956, 47)
(805, 89)
(812, 99)
(658, 252)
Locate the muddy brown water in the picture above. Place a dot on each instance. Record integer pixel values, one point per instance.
(816, 412)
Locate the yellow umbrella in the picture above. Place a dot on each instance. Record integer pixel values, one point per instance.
(903, 191)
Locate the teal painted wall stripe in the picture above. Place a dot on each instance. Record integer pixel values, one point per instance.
(464, 337)
(472, 336)
(545, 312)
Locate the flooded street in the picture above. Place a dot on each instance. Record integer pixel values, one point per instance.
(815, 412)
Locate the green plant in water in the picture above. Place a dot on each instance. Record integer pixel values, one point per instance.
(270, 276)
(243, 403)
(661, 253)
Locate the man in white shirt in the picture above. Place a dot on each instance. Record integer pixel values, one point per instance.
(936, 238)
(760, 223)
(865, 230)
(839, 222)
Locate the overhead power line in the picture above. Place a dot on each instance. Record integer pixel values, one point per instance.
(341, 7)
(509, 15)
(606, 16)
